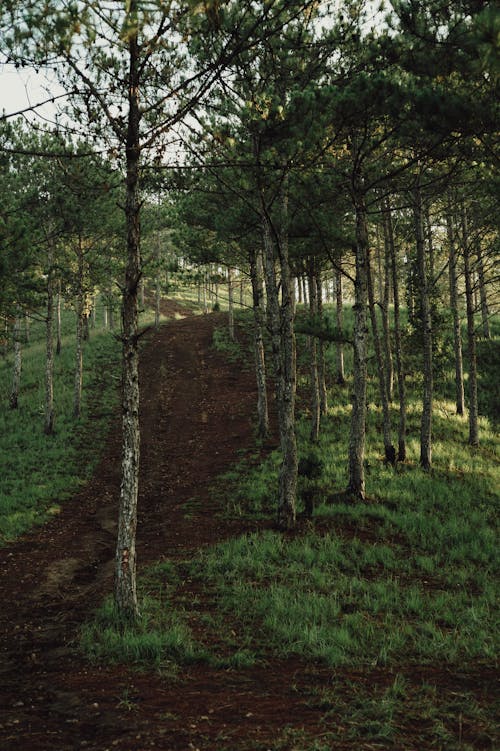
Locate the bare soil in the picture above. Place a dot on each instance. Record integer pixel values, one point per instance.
(196, 414)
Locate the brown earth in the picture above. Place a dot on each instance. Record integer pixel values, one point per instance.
(196, 413)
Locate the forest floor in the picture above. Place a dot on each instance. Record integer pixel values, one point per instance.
(196, 415)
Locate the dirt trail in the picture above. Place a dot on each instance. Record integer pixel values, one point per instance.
(196, 412)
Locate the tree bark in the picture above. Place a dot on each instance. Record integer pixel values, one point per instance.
(356, 485)
(58, 318)
(389, 236)
(281, 316)
(27, 328)
(485, 313)
(389, 450)
(125, 570)
(313, 354)
(457, 334)
(260, 361)
(157, 282)
(49, 348)
(16, 372)
(323, 396)
(230, 291)
(80, 301)
(386, 328)
(425, 306)
(339, 317)
(471, 335)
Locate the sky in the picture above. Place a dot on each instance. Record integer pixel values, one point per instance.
(23, 88)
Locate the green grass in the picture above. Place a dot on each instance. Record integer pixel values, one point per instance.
(403, 585)
(39, 472)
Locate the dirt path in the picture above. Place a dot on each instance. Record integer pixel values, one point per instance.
(196, 413)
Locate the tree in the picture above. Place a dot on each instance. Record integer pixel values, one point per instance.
(123, 68)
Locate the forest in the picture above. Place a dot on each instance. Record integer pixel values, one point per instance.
(250, 352)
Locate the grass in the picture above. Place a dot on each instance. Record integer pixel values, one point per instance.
(402, 588)
(39, 472)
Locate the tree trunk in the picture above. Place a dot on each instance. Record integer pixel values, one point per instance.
(457, 334)
(80, 299)
(157, 282)
(356, 485)
(260, 361)
(471, 336)
(485, 313)
(426, 422)
(49, 349)
(313, 353)
(27, 328)
(283, 346)
(16, 373)
(389, 235)
(230, 290)
(389, 450)
(323, 396)
(205, 300)
(386, 328)
(58, 318)
(125, 571)
(430, 244)
(339, 315)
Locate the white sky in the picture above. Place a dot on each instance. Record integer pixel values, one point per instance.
(23, 88)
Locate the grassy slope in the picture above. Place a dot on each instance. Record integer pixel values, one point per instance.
(407, 578)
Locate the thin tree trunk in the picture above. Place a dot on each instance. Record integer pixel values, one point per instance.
(230, 290)
(323, 396)
(471, 335)
(389, 232)
(77, 398)
(125, 571)
(289, 468)
(430, 243)
(58, 318)
(313, 354)
(356, 485)
(457, 334)
(485, 313)
(205, 299)
(157, 283)
(283, 347)
(386, 328)
(27, 328)
(380, 275)
(389, 450)
(426, 422)
(260, 361)
(339, 317)
(49, 349)
(16, 372)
